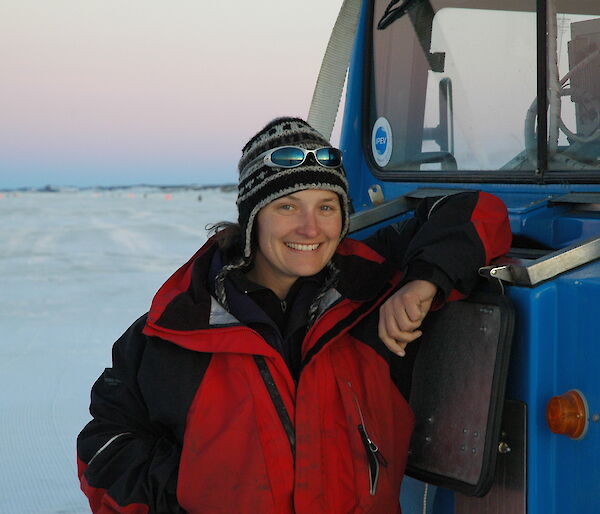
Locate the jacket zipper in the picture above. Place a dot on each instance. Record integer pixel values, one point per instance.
(275, 395)
(375, 458)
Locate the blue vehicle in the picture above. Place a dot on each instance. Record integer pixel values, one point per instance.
(502, 96)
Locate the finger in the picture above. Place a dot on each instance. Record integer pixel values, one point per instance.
(389, 332)
(399, 347)
(398, 344)
(390, 343)
(396, 317)
(414, 312)
(392, 336)
(402, 349)
(393, 346)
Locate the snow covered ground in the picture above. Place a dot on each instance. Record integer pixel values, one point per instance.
(76, 269)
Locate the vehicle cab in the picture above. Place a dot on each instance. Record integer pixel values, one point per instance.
(501, 96)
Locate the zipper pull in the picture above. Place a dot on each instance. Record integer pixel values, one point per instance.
(373, 448)
(372, 460)
(374, 456)
(283, 305)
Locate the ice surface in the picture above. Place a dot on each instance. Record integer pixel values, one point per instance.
(76, 269)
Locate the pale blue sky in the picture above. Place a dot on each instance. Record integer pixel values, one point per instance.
(104, 92)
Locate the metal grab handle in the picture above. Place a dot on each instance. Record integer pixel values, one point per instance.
(547, 267)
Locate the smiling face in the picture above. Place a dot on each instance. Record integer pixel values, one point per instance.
(297, 236)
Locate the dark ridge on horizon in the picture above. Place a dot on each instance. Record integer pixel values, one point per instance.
(180, 187)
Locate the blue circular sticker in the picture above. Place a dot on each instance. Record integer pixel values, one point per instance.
(381, 141)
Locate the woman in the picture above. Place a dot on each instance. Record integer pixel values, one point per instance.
(258, 382)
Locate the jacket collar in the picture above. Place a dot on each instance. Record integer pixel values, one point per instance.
(184, 305)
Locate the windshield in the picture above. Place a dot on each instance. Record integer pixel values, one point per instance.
(454, 87)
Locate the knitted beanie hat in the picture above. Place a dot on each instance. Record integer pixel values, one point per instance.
(260, 184)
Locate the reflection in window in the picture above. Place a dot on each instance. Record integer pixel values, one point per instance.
(456, 83)
(574, 91)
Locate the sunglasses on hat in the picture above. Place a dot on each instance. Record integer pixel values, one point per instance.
(292, 156)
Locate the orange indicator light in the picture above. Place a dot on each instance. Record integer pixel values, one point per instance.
(568, 414)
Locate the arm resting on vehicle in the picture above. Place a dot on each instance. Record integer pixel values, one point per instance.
(441, 250)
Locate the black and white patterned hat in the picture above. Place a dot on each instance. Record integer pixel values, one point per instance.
(260, 184)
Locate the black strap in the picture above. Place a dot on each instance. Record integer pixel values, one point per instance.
(421, 15)
(265, 373)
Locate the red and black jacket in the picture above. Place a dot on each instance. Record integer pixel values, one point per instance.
(200, 414)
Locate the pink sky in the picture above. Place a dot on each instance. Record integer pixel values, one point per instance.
(102, 92)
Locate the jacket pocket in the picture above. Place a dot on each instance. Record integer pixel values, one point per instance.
(374, 458)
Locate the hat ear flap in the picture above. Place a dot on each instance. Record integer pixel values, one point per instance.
(220, 292)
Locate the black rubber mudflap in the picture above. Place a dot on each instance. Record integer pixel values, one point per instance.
(457, 393)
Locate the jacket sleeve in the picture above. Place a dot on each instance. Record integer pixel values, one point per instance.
(127, 462)
(448, 240)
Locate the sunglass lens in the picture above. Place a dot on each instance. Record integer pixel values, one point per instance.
(331, 157)
(287, 157)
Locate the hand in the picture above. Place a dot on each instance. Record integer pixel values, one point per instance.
(402, 314)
